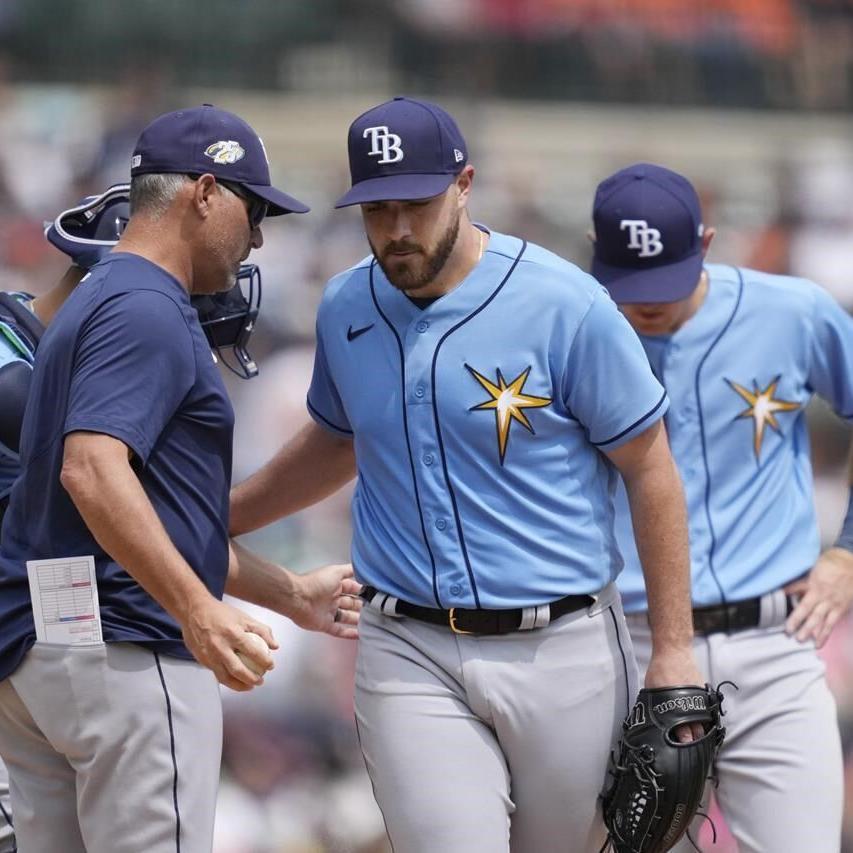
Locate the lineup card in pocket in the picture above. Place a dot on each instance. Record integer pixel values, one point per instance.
(64, 593)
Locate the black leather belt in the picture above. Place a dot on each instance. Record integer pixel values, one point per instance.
(461, 620)
(728, 618)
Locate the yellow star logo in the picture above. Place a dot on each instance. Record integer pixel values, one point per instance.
(762, 409)
(508, 403)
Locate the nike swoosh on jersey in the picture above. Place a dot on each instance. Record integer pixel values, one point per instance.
(353, 334)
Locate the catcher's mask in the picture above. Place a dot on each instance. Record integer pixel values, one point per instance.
(87, 231)
(228, 319)
(90, 229)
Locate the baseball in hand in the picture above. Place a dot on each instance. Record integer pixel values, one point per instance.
(258, 645)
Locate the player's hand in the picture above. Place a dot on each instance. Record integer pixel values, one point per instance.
(826, 595)
(212, 630)
(672, 668)
(327, 600)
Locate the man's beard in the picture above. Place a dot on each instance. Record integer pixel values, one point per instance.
(404, 275)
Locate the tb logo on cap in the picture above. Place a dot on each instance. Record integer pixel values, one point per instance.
(384, 144)
(646, 240)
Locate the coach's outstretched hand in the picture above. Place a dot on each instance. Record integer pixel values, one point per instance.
(327, 600)
(213, 630)
(826, 595)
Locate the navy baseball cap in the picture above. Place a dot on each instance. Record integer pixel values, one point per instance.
(403, 150)
(648, 235)
(90, 229)
(208, 140)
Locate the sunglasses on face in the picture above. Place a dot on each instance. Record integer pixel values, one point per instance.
(256, 208)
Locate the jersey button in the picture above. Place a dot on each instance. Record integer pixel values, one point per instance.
(428, 459)
(441, 524)
(419, 391)
(455, 589)
(422, 326)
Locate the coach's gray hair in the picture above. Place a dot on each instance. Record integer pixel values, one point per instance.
(152, 194)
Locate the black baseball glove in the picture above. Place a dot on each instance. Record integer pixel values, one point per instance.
(655, 783)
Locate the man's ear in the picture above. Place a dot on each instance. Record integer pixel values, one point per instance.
(203, 190)
(707, 237)
(464, 182)
(590, 235)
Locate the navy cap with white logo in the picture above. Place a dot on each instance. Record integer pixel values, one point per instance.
(403, 150)
(648, 235)
(208, 140)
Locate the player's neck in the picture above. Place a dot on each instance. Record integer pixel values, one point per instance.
(158, 240)
(466, 254)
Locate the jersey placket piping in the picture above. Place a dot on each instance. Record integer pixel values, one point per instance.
(713, 546)
(401, 352)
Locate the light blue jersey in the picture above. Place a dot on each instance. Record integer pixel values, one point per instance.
(478, 424)
(739, 374)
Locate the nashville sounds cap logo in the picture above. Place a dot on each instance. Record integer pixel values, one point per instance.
(225, 152)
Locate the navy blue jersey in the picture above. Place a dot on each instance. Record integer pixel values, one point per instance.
(125, 357)
(478, 426)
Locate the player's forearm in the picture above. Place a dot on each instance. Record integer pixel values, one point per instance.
(310, 467)
(660, 529)
(659, 516)
(98, 478)
(46, 305)
(252, 578)
(844, 542)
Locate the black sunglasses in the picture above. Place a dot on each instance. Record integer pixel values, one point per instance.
(256, 208)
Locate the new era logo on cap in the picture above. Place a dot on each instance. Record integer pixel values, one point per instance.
(648, 235)
(401, 150)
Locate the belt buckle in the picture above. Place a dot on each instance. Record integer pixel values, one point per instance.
(453, 626)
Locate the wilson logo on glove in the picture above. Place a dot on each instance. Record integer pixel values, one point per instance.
(681, 703)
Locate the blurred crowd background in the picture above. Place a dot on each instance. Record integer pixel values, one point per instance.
(749, 98)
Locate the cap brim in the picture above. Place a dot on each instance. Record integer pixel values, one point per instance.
(666, 283)
(395, 188)
(279, 202)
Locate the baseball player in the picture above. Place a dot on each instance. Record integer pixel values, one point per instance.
(487, 392)
(109, 726)
(740, 354)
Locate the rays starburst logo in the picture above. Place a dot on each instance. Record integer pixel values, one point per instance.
(762, 408)
(508, 402)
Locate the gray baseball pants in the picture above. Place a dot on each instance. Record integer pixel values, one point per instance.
(7, 832)
(494, 743)
(780, 768)
(111, 749)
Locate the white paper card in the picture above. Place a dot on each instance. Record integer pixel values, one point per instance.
(64, 593)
